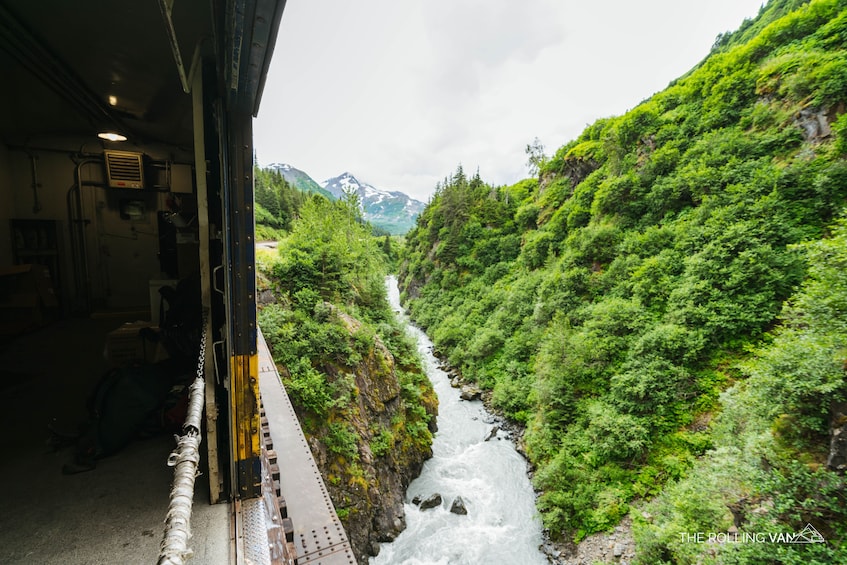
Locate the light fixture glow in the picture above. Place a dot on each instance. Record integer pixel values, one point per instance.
(111, 136)
(113, 100)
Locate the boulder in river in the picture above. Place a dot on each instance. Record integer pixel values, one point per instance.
(470, 392)
(458, 506)
(431, 501)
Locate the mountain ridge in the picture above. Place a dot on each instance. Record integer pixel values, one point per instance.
(299, 179)
(393, 211)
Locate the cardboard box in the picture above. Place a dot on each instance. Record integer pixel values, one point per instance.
(28, 279)
(125, 345)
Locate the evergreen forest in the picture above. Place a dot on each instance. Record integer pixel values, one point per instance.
(664, 305)
(277, 203)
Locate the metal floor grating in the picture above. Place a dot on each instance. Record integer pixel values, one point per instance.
(319, 537)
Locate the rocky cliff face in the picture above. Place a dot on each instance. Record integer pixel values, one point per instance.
(837, 459)
(374, 443)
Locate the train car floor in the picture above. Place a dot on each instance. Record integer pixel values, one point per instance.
(112, 514)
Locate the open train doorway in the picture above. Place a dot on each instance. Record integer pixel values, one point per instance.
(125, 130)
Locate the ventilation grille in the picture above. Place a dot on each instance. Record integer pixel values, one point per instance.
(124, 169)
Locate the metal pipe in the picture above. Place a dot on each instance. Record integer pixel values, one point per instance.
(29, 148)
(36, 204)
(74, 243)
(185, 460)
(83, 250)
(77, 231)
(166, 7)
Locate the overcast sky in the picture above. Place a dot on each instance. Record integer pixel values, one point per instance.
(399, 92)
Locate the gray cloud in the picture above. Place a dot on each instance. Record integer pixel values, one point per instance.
(399, 93)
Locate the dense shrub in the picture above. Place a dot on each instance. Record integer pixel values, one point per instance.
(657, 251)
(331, 331)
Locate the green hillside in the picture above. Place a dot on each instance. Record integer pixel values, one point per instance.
(277, 203)
(664, 306)
(300, 180)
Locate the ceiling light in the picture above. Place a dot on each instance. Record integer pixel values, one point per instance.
(113, 100)
(111, 136)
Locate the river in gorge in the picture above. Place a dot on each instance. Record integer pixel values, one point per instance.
(502, 525)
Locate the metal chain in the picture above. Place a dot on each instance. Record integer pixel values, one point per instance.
(201, 362)
(194, 415)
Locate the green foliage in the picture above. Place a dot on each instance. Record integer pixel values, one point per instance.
(382, 443)
(341, 351)
(513, 392)
(277, 203)
(656, 252)
(840, 129)
(801, 496)
(331, 252)
(772, 436)
(308, 387)
(342, 440)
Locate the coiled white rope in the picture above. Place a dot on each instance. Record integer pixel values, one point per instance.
(185, 459)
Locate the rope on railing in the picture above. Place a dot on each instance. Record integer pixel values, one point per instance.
(185, 459)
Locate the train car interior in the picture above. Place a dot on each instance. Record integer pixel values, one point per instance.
(125, 197)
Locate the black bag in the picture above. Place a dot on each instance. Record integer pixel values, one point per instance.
(127, 402)
(180, 323)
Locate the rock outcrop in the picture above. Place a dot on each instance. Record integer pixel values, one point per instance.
(616, 546)
(837, 459)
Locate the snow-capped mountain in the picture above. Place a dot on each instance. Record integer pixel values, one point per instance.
(299, 179)
(392, 211)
